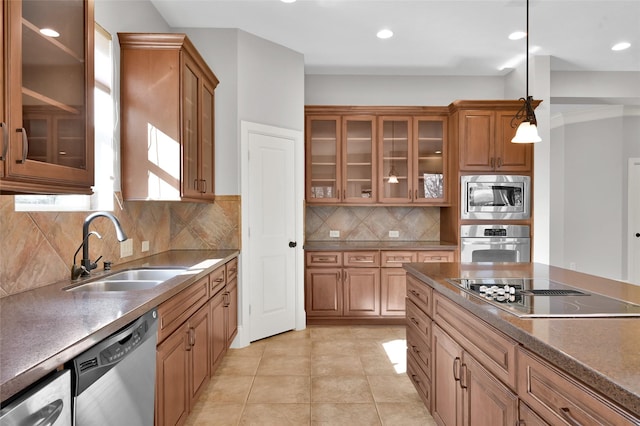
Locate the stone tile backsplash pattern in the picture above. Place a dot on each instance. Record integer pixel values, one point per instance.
(37, 248)
(372, 223)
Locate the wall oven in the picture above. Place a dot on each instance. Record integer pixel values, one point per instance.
(495, 243)
(495, 197)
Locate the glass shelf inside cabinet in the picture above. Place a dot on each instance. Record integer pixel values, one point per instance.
(358, 151)
(430, 172)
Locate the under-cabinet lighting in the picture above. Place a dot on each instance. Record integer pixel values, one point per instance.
(517, 35)
(288, 1)
(49, 32)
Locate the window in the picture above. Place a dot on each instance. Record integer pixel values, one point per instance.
(104, 112)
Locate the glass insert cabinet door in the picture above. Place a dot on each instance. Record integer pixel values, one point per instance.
(323, 159)
(52, 96)
(429, 166)
(359, 165)
(53, 82)
(395, 165)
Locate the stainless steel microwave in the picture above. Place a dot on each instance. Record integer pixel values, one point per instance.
(494, 197)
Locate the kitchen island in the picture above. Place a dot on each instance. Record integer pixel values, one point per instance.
(600, 356)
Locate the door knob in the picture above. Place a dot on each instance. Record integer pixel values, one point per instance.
(638, 234)
(292, 244)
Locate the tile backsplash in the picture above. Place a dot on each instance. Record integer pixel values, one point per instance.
(37, 248)
(372, 223)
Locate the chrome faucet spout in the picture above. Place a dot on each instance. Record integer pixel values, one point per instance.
(86, 262)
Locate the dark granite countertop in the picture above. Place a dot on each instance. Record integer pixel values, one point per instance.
(604, 353)
(43, 328)
(379, 245)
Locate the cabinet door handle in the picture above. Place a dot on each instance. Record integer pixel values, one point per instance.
(463, 376)
(492, 162)
(192, 336)
(456, 369)
(415, 378)
(415, 349)
(195, 185)
(499, 162)
(219, 279)
(25, 145)
(416, 195)
(188, 346)
(415, 293)
(566, 414)
(5, 141)
(204, 186)
(338, 194)
(415, 321)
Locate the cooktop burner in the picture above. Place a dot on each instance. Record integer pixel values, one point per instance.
(543, 298)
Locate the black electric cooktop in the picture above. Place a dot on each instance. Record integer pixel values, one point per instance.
(543, 298)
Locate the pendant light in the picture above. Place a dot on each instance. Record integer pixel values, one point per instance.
(528, 129)
(393, 175)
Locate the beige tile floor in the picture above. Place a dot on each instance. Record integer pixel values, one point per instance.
(333, 375)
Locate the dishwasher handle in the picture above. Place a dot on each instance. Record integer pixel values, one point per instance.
(98, 360)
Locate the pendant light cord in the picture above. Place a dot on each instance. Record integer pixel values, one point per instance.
(527, 52)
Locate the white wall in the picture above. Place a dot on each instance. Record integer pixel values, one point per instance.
(399, 90)
(589, 195)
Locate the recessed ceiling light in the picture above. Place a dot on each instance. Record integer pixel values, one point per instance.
(49, 32)
(517, 35)
(288, 1)
(621, 46)
(386, 33)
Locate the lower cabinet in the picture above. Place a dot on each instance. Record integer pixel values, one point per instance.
(360, 285)
(182, 361)
(194, 333)
(172, 378)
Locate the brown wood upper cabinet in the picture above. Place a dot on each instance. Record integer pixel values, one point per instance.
(352, 151)
(341, 159)
(412, 149)
(47, 98)
(167, 97)
(484, 135)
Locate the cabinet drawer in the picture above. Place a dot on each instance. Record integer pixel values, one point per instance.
(495, 351)
(419, 380)
(420, 349)
(529, 417)
(216, 280)
(231, 268)
(175, 311)
(559, 398)
(364, 259)
(419, 321)
(324, 258)
(395, 259)
(420, 294)
(435, 256)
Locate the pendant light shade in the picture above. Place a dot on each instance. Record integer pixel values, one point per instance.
(526, 133)
(528, 128)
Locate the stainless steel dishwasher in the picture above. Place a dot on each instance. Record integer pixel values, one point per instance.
(48, 402)
(114, 381)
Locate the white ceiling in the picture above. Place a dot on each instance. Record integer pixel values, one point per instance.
(432, 37)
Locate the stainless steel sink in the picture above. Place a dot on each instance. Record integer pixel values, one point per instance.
(131, 280)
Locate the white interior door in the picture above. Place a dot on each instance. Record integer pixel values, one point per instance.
(272, 236)
(633, 229)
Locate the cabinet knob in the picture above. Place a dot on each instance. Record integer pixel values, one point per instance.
(292, 244)
(637, 234)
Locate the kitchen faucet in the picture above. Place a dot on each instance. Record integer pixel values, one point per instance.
(85, 264)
